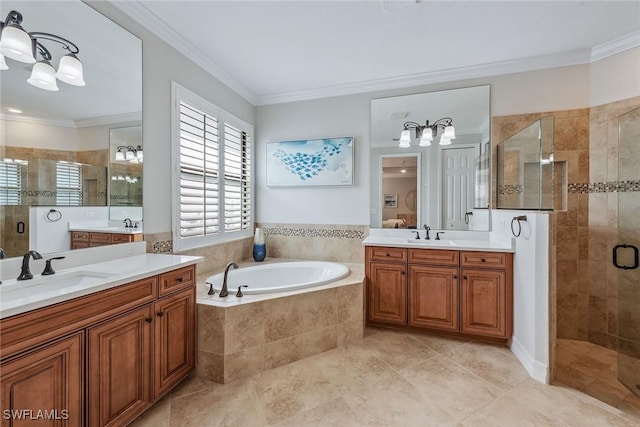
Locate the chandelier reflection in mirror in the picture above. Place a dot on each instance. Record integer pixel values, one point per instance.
(427, 132)
(19, 45)
(128, 153)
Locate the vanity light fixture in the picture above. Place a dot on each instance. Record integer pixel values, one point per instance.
(427, 132)
(129, 153)
(21, 46)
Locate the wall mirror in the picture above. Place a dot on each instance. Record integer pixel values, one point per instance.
(55, 145)
(451, 183)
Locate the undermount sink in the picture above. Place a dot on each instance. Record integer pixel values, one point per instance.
(54, 284)
(432, 242)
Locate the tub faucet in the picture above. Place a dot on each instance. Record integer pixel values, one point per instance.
(426, 229)
(25, 274)
(224, 292)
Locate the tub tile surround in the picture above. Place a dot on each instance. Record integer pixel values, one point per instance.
(240, 337)
(326, 242)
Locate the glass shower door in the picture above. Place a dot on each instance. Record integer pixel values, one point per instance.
(625, 253)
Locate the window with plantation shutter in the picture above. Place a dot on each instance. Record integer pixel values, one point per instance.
(10, 183)
(212, 173)
(68, 184)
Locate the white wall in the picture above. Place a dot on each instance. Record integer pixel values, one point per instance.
(160, 65)
(530, 341)
(616, 77)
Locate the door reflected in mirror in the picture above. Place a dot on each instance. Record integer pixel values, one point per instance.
(400, 191)
(453, 181)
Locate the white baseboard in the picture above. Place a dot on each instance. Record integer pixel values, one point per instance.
(537, 370)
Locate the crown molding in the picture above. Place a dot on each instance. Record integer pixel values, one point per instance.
(615, 46)
(136, 11)
(109, 120)
(576, 57)
(37, 120)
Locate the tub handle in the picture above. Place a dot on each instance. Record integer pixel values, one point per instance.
(239, 294)
(211, 291)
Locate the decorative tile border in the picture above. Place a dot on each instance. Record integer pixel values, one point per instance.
(604, 187)
(511, 189)
(165, 246)
(314, 232)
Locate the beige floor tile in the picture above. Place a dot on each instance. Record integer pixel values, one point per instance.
(399, 350)
(156, 416)
(290, 389)
(192, 385)
(448, 388)
(609, 393)
(567, 405)
(631, 408)
(335, 412)
(494, 363)
(439, 343)
(507, 411)
(232, 404)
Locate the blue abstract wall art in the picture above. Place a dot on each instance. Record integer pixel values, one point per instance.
(309, 162)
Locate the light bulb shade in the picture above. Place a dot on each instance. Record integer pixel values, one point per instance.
(405, 136)
(3, 63)
(449, 132)
(70, 70)
(16, 44)
(139, 154)
(119, 156)
(426, 138)
(444, 141)
(43, 76)
(130, 155)
(404, 144)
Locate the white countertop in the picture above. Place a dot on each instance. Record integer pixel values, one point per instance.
(114, 230)
(18, 297)
(487, 243)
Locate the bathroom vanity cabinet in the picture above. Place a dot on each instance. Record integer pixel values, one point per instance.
(466, 293)
(101, 359)
(91, 239)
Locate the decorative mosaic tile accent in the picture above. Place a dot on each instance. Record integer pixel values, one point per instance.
(604, 187)
(314, 232)
(163, 247)
(510, 189)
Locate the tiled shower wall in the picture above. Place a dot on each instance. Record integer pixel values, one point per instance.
(601, 325)
(585, 280)
(569, 233)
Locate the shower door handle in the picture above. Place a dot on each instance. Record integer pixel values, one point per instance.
(636, 257)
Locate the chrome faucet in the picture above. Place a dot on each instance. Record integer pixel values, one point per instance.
(224, 292)
(427, 228)
(25, 274)
(127, 223)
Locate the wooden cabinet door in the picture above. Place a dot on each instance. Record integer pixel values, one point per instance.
(46, 383)
(174, 343)
(387, 293)
(433, 297)
(119, 368)
(483, 302)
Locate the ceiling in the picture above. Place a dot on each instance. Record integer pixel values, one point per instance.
(279, 51)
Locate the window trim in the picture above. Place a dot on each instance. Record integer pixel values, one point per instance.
(178, 94)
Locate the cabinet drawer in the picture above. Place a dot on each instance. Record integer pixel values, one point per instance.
(484, 259)
(379, 253)
(434, 256)
(120, 238)
(58, 319)
(100, 237)
(177, 279)
(80, 236)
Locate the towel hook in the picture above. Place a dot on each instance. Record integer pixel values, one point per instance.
(517, 219)
(54, 215)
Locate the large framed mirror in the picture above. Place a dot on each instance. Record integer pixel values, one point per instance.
(451, 183)
(55, 151)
